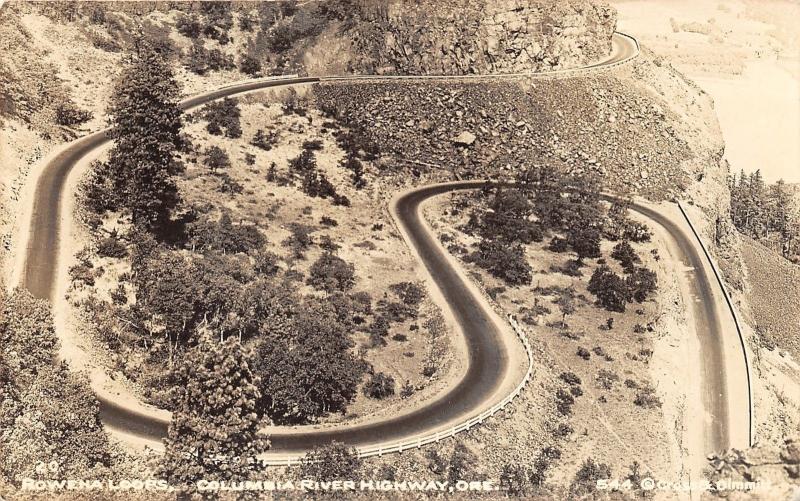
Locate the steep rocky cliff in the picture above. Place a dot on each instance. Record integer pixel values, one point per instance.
(477, 36)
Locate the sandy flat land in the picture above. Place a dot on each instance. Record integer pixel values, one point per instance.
(745, 55)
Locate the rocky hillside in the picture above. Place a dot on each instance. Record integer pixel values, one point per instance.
(642, 128)
(456, 37)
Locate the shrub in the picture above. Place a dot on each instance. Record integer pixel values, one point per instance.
(576, 391)
(266, 262)
(503, 260)
(612, 292)
(563, 430)
(81, 273)
(624, 253)
(564, 396)
(571, 268)
(584, 353)
(514, 480)
(584, 486)
(379, 386)
(331, 462)
(224, 236)
(409, 292)
(188, 26)
(228, 185)
(331, 273)
(67, 114)
(646, 397)
(328, 221)
(570, 378)
(558, 244)
(641, 283)
(636, 232)
(111, 247)
(223, 116)
(606, 379)
(300, 238)
(585, 241)
(249, 65)
(264, 141)
(312, 145)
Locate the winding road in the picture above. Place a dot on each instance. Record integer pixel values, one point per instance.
(487, 343)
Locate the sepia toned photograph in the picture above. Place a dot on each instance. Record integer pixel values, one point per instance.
(400, 249)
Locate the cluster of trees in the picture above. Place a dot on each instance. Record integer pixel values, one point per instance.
(313, 182)
(214, 21)
(521, 481)
(201, 60)
(48, 414)
(310, 371)
(543, 201)
(224, 118)
(614, 292)
(768, 213)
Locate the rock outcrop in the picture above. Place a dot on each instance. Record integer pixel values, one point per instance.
(453, 37)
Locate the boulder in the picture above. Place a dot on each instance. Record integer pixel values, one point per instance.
(466, 138)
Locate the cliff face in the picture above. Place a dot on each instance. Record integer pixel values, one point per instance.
(455, 37)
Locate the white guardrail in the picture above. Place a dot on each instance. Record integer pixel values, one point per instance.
(417, 442)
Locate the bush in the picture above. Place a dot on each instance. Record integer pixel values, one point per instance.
(223, 116)
(641, 283)
(585, 242)
(570, 378)
(646, 397)
(636, 232)
(379, 386)
(571, 268)
(249, 65)
(584, 353)
(229, 185)
(331, 273)
(558, 244)
(409, 292)
(584, 486)
(264, 141)
(331, 462)
(188, 26)
(328, 221)
(111, 247)
(224, 236)
(606, 379)
(67, 114)
(563, 430)
(624, 253)
(266, 262)
(81, 273)
(612, 291)
(312, 145)
(503, 260)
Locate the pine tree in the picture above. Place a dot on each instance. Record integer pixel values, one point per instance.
(214, 433)
(146, 125)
